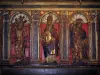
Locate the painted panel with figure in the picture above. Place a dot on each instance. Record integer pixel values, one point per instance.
(19, 37)
(82, 38)
(79, 38)
(49, 34)
(53, 37)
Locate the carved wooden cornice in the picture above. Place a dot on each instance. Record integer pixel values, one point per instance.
(50, 3)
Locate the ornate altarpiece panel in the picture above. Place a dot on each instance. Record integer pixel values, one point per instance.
(25, 30)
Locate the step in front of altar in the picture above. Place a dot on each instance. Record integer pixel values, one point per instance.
(50, 70)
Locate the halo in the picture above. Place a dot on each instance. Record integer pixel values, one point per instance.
(44, 18)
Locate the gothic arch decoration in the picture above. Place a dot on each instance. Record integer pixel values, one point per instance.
(81, 16)
(54, 33)
(18, 14)
(44, 17)
(19, 34)
(79, 38)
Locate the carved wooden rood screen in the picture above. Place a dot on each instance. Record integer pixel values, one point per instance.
(45, 36)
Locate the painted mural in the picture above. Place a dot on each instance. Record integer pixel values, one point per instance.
(53, 36)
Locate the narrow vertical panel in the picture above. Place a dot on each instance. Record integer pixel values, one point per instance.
(93, 42)
(5, 36)
(61, 40)
(35, 41)
(35, 50)
(90, 42)
(1, 32)
(98, 26)
(31, 42)
(65, 39)
(64, 43)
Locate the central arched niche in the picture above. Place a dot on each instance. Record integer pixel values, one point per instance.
(53, 32)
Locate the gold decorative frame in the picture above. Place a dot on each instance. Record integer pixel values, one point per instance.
(52, 7)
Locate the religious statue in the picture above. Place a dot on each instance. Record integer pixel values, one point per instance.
(50, 41)
(20, 38)
(19, 26)
(79, 41)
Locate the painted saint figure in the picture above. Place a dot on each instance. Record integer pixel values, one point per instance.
(49, 40)
(20, 37)
(19, 26)
(79, 42)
